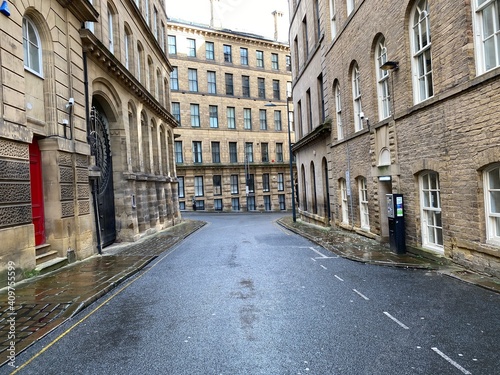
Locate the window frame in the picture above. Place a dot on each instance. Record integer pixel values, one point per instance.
(231, 117)
(197, 152)
(28, 45)
(492, 219)
(192, 80)
(209, 50)
(364, 212)
(179, 156)
(432, 194)
(199, 190)
(384, 96)
(213, 111)
(211, 82)
(194, 111)
(215, 146)
(356, 98)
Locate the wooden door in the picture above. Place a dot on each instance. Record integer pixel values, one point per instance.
(36, 182)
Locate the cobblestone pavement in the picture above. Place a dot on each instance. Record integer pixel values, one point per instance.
(44, 302)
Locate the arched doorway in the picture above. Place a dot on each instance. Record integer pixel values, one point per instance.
(100, 148)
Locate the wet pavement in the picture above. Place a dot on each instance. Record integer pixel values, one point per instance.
(44, 302)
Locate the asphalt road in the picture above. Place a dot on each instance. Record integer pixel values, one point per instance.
(245, 296)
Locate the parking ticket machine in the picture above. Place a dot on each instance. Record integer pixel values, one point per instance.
(395, 214)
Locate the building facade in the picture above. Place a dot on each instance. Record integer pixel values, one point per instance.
(413, 95)
(229, 96)
(86, 137)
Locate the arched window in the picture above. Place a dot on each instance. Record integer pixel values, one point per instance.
(363, 204)
(421, 52)
(128, 48)
(32, 47)
(384, 99)
(140, 62)
(338, 110)
(343, 201)
(356, 98)
(111, 37)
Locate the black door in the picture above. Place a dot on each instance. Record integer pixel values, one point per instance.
(100, 144)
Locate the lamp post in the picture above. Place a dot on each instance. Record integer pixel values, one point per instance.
(270, 104)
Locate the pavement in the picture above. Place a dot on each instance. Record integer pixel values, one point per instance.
(44, 302)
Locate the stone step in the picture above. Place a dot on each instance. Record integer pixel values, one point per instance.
(42, 249)
(51, 265)
(45, 256)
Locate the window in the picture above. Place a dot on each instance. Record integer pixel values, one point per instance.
(247, 118)
(215, 152)
(264, 150)
(233, 152)
(155, 22)
(111, 44)
(267, 202)
(195, 115)
(180, 187)
(146, 11)
(227, 54)
(488, 34)
(363, 204)
(263, 119)
(193, 80)
(209, 51)
(281, 182)
(172, 45)
(245, 86)
(276, 89)
(217, 182)
(198, 187)
(277, 121)
(174, 79)
(338, 110)
(244, 56)
(200, 204)
(218, 204)
(162, 37)
(197, 153)
(492, 203)
(265, 182)
(281, 200)
(182, 205)
(421, 51)
(231, 118)
(88, 25)
(279, 152)
(234, 184)
(191, 47)
(305, 39)
(229, 84)
(333, 19)
(214, 116)
(288, 63)
(343, 203)
(432, 227)
(235, 204)
(274, 61)
(32, 46)
(176, 111)
(321, 96)
(211, 82)
(126, 44)
(356, 98)
(251, 203)
(251, 183)
(249, 152)
(384, 105)
(260, 59)
(179, 158)
(350, 6)
(140, 61)
(261, 83)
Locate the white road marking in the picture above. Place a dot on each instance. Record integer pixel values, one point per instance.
(362, 295)
(451, 360)
(318, 252)
(322, 266)
(313, 259)
(339, 278)
(397, 321)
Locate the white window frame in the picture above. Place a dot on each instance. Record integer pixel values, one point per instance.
(333, 19)
(338, 110)
(356, 99)
(481, 40)
(111, 43)
(430, 211)
(32, 48)
(364, 212)
(350, 6)
(420, 33)
(492, 218)
(343, 201)
(384, 98)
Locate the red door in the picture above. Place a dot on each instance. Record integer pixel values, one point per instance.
(37, 193)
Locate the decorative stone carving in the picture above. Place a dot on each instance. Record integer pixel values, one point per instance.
(14, 149)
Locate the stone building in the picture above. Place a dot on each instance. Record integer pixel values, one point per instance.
(229, 95)
(414, 88)
(86, 137)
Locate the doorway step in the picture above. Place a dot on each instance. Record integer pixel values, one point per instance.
(48, 260)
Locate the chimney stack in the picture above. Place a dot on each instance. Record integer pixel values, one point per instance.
(215, 22)
(276, 14)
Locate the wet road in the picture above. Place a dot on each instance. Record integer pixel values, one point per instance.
(245, 296)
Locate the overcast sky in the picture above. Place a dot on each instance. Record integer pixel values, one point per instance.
(253, 16)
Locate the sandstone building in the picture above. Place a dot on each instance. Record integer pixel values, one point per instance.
(229, 95)
(86, 137)
(411, 90)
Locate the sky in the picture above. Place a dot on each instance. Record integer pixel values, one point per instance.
(252, 16)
